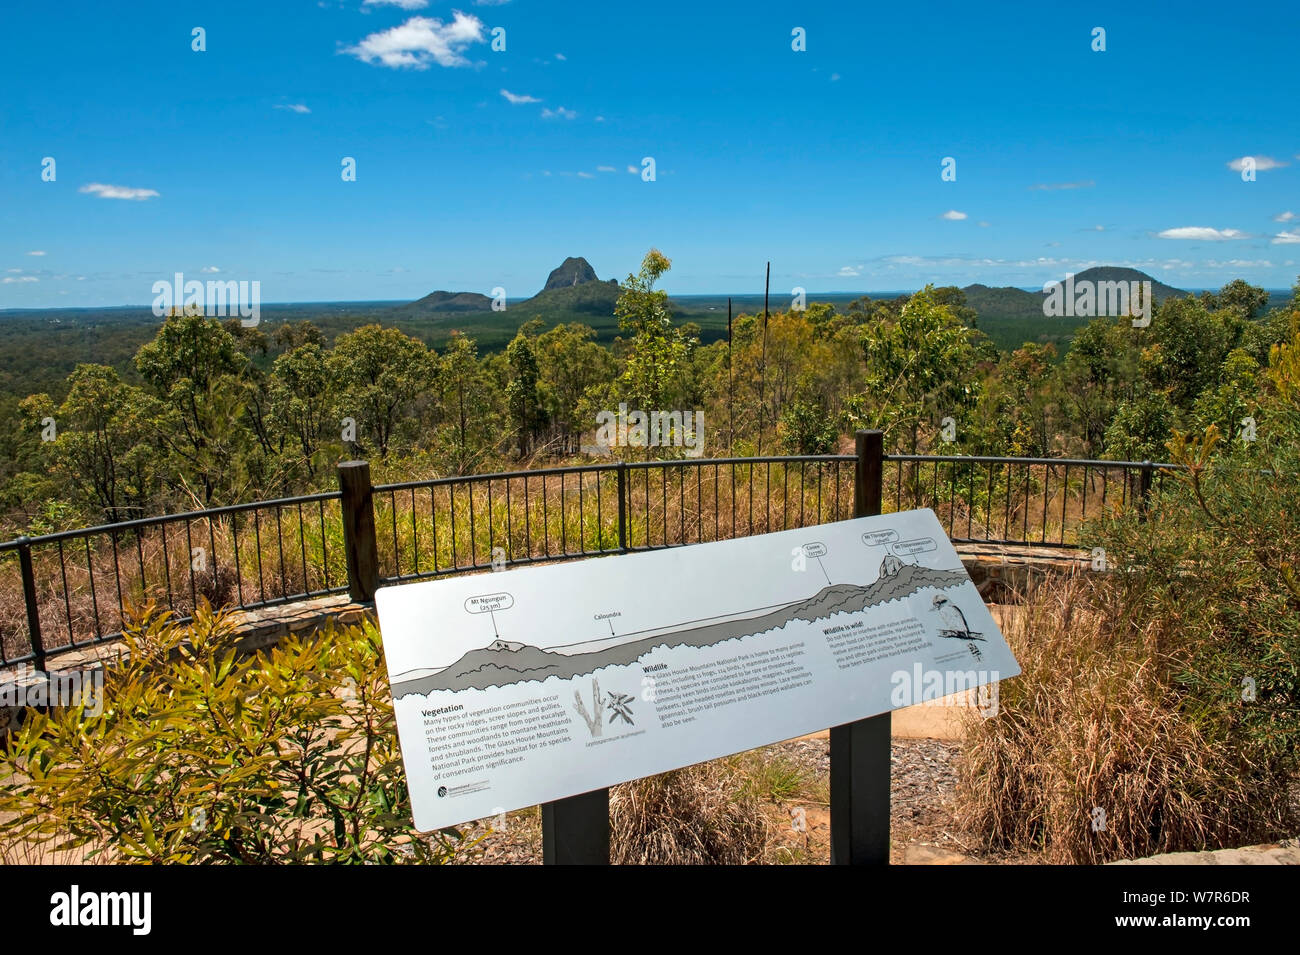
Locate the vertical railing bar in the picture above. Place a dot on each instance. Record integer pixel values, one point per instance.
(819, 491)
(835, 515)
(717, 506)
(302, 550)
(117, 577)
(785, 496)
(451, 498)
(1083, 513)
(767, 497)
(167, 566)
(1006, 510)
(970, 498)
(67, 603)
(749, 493)
(324, 557)
(699, 504)
(733, 499)
(415, 533)
(988, 504)
(94, 598)
(239, 574)
(139, 554)
(804, 471)
(1065, 497)
(663, 470)
(1024, 534)
(279, 539)
(473, 537)
(546, 519)
(189, 562)
(257, 537)
(212, 547)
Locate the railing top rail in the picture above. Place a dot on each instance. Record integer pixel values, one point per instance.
(1073, 462)
(172, 518)
(608, 466)
(769, 459)
(493, 476)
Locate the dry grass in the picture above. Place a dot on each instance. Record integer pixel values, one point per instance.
(701, 815)
(1094, 723)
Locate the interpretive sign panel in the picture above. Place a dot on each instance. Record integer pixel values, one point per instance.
(530, 685)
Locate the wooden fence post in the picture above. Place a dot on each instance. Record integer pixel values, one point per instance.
(359, 530)
(1144, 488)
(860, 750)
(29, 597)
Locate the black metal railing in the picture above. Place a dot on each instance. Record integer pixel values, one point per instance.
(1023, 502)
(80, 587)
(453, 525)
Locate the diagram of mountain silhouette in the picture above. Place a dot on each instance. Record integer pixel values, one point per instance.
(505, 662)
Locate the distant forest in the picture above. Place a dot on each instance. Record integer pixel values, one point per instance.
(115, 414)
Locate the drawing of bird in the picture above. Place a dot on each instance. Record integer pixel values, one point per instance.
(952, 622)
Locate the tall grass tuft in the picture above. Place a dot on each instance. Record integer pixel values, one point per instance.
(1094, 755)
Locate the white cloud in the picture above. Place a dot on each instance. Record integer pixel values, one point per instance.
(404, 4)
(293, 107)
(1096, 228)
(600, 119)
(835, 77)
(421, 41)
(954, 216)
(1204, 233)
(984, 225)
(1287, 238)
(1051, 186)
(606, 169)
(633, 170)
(517, 98)
(210, 269)
(1284, 216)
(11, 279)
(586, 175)
(849, 271)
(36, 252)
(559, 111)
(1262, 163)
(117, 192)
(561, 57)
(490, 3)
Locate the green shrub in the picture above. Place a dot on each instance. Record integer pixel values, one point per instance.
(203, 755)
(1166, 692)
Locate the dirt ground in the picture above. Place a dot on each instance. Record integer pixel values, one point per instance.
(923, 779)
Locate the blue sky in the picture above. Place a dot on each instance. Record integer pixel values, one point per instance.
(825, 161)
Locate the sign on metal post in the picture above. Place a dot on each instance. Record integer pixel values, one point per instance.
(532, 685)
